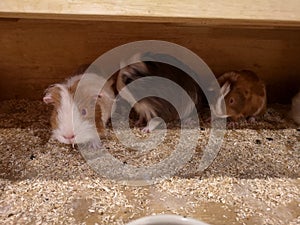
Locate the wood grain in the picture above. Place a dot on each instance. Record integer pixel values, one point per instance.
(217, 12)
(36, 53)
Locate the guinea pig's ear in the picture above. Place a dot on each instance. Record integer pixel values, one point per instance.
(228, 77)
(51, 95)
(48, 98)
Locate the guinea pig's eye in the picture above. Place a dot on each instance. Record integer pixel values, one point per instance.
(83, 112)
(231, 101)
(246, 93)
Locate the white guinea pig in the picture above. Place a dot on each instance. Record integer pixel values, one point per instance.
(296, 108)
(81, 110)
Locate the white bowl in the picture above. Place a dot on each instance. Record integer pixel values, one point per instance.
(166, 220)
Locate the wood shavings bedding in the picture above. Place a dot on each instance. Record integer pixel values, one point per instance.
(253, 180)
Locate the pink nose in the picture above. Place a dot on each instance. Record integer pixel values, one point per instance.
(69, 137)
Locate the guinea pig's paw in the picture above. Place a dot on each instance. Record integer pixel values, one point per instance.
(208, 119)
(251, 119)
(95, 144)
(146, 129)
(232, 124)
(152, 125)
(189, 123)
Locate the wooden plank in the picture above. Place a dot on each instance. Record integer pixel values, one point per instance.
(36, 53)
(217, 12)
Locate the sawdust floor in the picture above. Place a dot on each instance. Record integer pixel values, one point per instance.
(253, 180)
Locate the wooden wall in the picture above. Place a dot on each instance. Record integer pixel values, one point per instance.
(36, 52)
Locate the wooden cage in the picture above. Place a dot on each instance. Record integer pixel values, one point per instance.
(42, 42)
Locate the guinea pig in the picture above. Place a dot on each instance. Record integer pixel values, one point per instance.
(75, 118)
(295, 112)
(151, 107)
(244, 94)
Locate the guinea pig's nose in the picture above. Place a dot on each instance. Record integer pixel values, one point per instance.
(69, 137)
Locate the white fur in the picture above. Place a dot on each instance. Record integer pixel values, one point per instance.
(70, 121)
(217, 108)
(69, 118)
(145, 110)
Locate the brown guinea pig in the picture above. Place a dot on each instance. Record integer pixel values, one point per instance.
(155, 74)
(244, 95)
(295, 112)
(80, 109)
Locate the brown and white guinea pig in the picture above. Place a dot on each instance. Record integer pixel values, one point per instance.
(150, 107)
(295, 112)
(244, 95)
(78, 118)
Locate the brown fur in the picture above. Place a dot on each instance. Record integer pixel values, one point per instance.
(54, 91)
(247, 94)
(89, 104)
(295, 111)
